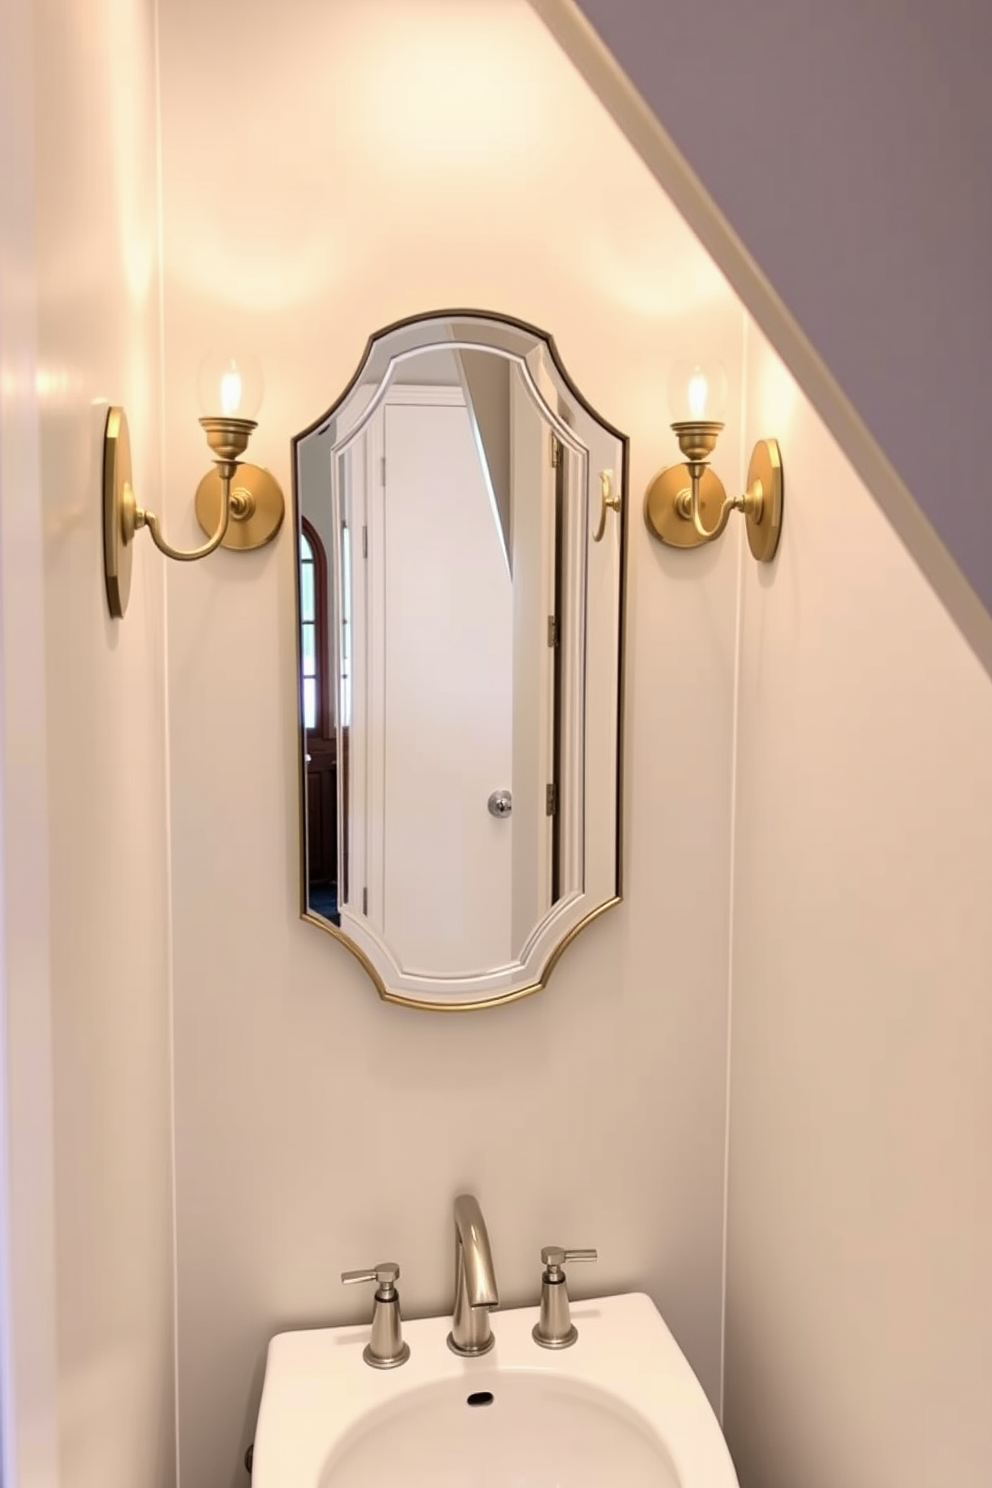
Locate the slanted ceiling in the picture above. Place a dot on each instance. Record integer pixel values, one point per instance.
(834, 161)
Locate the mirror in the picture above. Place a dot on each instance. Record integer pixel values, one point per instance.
(460, 521)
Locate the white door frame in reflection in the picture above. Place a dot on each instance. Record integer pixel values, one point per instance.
(444, 640)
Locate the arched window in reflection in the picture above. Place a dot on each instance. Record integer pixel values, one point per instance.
(318, 718)
(308, 626)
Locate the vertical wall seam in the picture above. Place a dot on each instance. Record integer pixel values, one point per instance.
(167, 750)
(732, 848)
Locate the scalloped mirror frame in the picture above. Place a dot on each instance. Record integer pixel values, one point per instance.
(529, 984)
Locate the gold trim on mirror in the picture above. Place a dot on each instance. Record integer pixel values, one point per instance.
(500, 1000)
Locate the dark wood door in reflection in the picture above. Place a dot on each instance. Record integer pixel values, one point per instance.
(321, 741)
(322, 823)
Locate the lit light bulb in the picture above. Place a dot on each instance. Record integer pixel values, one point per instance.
(697, 391)
(229, 386)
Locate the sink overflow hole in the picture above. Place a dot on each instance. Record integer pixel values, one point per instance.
(480, 1397)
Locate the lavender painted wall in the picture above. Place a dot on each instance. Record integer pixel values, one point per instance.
(848, 144)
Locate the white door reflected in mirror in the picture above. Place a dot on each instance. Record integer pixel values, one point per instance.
(457, 628)
(447, 706)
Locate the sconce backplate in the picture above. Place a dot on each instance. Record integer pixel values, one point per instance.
(260, 493)
(661, 511)
(766, 467)
(118, 500)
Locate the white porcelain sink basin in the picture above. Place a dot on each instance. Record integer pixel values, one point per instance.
(620, 1409)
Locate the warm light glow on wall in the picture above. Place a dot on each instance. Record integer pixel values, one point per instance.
(450, 88)
(774, 393)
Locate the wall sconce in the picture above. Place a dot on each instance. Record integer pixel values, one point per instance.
(609, 500)
(687, 505)
(241, 516)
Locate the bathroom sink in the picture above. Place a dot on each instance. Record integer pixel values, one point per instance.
(619, 1409)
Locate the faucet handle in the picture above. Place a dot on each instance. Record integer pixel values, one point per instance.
(555, 1256)
(385, 1348)
(554, 1328)
(385, 1274)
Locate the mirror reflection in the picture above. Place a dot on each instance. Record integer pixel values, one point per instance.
(459, 660)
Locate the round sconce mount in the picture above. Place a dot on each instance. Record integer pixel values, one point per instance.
(661, 505)
(118, 512)
(257, 507)
(765, 469)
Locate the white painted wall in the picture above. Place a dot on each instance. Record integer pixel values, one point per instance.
(28, 1365)
(402, 162)
(860, 1216)
(88, 1159)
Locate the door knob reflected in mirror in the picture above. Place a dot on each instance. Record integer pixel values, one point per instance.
(500, 803)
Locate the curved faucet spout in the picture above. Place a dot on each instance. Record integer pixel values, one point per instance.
(475, 1280)
(477, 1258)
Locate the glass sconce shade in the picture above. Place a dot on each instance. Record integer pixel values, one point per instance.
(697, 391)
(229, 385)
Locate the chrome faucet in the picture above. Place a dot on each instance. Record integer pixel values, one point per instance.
(475, 1281)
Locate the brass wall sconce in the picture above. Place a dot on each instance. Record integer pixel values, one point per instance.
(239, 506)
(687, 505)
(609, 500)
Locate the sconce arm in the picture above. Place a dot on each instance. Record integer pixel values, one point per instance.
(150, 520)
(729, 504)
(751, 504)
